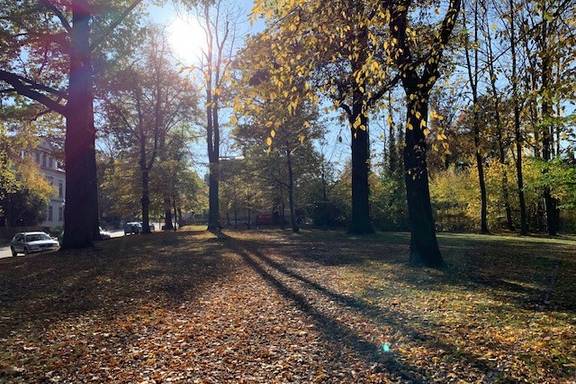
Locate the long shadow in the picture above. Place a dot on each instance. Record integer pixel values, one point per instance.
(332, 330)
(378, 314)
(116, 277)
(511, 273)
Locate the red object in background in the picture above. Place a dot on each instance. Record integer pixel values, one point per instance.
(264, 219)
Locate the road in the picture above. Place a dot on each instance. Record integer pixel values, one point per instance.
(5, 250)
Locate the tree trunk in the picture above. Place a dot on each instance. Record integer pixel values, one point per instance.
(499, 133)
(145, 200)
(358, 118)
(293, 220)
(424, 248)
(235, 215)
(81, 209)
(392, 152)
(482, 182)
(176, 225)
(473, 80)
(282, 208)
(168, 225)
(361, 223)
(547, 132)
(517, 126)
(213, 202)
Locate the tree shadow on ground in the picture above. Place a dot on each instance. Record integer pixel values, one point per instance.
(115, 277)
(338, 333)
(536, 274)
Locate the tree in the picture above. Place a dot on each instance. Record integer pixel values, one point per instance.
(288, 141)
(220, 35)
(24, 192)
(517, 124)
(547, 42)
(146, 101)
(417, 86)
(336, 52)
(56, 47)
(498, 120)
(472, 66)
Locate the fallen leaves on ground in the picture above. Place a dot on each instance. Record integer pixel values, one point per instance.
(271, 307)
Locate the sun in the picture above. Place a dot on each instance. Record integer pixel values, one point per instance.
(187, 39)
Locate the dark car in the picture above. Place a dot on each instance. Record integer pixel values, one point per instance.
(132, 228)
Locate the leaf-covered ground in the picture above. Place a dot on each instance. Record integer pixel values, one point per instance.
(273, 307)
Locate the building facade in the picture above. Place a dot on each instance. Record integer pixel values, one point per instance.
(44, 156)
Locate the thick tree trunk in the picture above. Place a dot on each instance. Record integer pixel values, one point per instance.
(168, 225)
(291, 202)
(360, 223)
(81, 209)
(483, 194)
(424, 248)
(358, 118)
(145, 200)
(213, 201)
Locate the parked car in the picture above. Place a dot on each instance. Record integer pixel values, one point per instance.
(132, 227)
(30, 242)
(104, 235)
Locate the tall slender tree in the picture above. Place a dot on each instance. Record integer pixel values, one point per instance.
(220, 33)
(472, 66)
(517, 111)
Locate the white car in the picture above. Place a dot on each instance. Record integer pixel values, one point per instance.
(30, 242)
(104, 235)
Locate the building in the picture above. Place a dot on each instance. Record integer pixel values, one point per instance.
(44, 156)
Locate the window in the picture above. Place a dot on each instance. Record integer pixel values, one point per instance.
(38, 158)
(50, 213)
(37, 237)
(60, 214)
(44, 158)
(60, 189)
(51, 162)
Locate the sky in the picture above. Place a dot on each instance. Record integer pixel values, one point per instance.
(186, 40)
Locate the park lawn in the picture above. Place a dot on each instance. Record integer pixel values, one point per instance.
(277, 307)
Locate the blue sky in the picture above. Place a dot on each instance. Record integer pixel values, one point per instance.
(337, 151)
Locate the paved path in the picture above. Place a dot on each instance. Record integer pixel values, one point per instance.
(5, 252)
